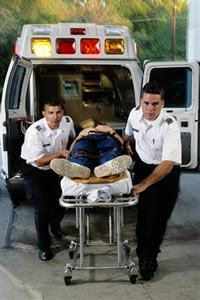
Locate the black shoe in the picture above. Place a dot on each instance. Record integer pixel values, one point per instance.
(56, 231)
(45, 255)
(153, 264)
(147, 267)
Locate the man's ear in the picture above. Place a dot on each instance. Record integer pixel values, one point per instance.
(43, 113)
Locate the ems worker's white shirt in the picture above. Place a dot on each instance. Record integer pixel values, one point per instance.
(156, 140)
(41, 140)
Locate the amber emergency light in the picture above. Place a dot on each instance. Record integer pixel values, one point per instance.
(114, 46)
(41, 47)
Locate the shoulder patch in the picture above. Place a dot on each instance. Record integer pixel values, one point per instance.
(138, 107)
(38, 127)
(169, 121)
(67, 119)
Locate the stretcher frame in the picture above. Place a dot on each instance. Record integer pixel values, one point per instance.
(117, 204)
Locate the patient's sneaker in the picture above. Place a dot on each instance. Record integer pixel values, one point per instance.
(65, 168)
(114, 166)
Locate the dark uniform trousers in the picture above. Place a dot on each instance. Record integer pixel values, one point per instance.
(155, 206)
(43, 188)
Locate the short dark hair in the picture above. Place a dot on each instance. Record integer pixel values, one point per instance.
(153, 87)
(53, 102)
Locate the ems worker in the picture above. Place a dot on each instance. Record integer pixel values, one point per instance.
(156, 169)
(45, 140)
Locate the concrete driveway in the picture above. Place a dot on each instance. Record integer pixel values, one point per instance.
(23, 276)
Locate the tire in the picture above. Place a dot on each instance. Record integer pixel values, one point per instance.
(67, 280)
(133, 279)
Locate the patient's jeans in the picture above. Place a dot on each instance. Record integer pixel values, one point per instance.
(95, 149)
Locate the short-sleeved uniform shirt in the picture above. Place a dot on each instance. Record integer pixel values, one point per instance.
(41, 140)
(156, 140)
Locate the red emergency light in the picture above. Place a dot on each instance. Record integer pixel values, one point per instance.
(90, 46)
(78, 31)
(65, 46)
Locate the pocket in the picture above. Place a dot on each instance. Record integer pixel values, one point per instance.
(137, 136)
(28, 187)
(26, 170)
(156, 144)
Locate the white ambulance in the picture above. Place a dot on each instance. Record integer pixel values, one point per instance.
(95, 71)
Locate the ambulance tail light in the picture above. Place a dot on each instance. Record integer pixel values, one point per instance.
(16, 49)
(41, 47)
(114, 46)
(137, 51)
(65, 46)
(78, 31)
(90, 46)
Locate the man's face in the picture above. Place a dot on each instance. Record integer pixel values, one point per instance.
(53, 115)
(151, 106)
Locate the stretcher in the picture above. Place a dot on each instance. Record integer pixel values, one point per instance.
(81, 203)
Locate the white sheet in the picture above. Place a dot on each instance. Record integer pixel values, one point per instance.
(92, 191)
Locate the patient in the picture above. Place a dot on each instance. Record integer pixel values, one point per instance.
(97, 150)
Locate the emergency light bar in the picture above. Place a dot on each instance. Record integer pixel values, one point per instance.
(78, 41)
(42, 47)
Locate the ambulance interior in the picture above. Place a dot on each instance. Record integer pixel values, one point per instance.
(103, 93)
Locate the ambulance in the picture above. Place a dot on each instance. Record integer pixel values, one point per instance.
(94, 70)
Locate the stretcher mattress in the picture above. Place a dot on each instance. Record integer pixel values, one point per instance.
(100, 189)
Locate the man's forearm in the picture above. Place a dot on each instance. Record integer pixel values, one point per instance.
(158, 173)
(46, 159)
(127, 146)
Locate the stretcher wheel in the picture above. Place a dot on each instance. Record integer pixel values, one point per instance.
(67, 280)
(133, 279)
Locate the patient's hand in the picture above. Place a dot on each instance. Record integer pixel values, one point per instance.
(85, 132)
(104, 128)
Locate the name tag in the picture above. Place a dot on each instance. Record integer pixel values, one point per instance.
(46, 145)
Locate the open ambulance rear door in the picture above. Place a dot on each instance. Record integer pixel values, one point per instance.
(14, 108)
(180, 81)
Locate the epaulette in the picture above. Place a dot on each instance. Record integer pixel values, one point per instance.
(169, 121)
(138, 107)
(38, 127)
(67, 119)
